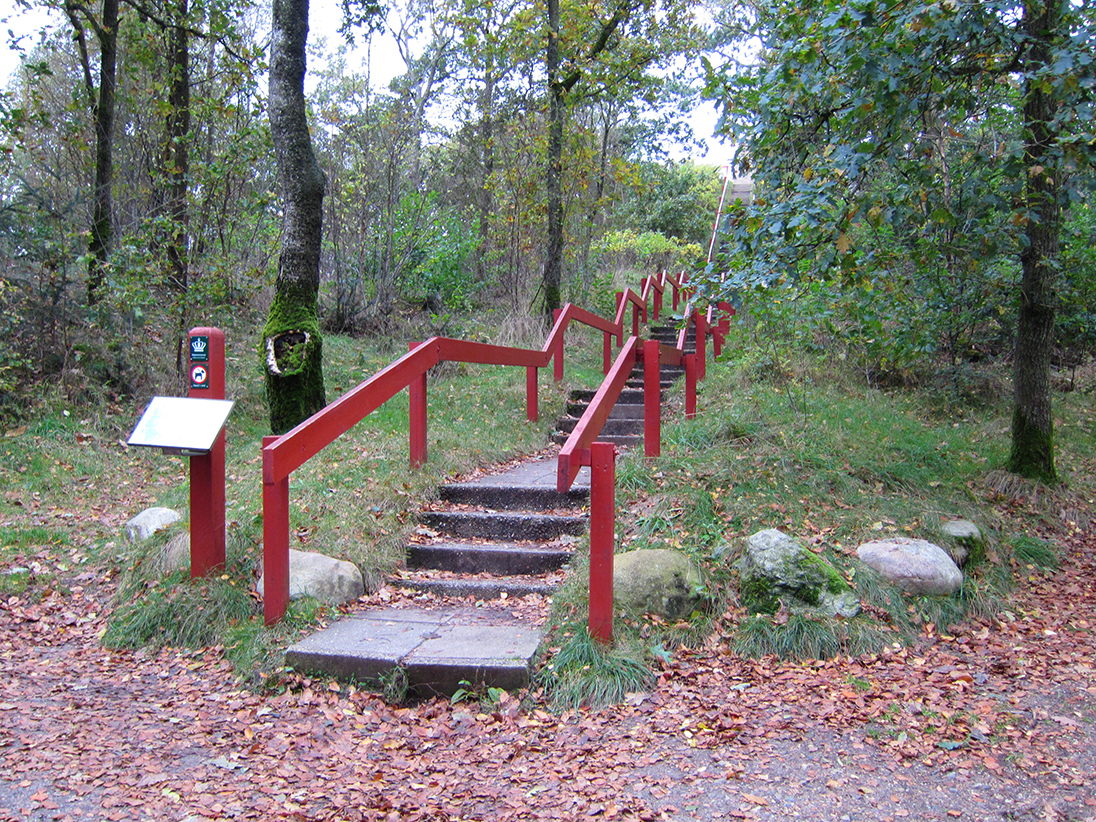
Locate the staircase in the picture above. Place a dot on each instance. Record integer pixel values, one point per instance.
(501, 536)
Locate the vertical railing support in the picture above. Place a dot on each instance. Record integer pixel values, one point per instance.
(531, 404)
(207, 471)
(701, 344)
(652, 400)
(557, 368)
(606, 352)
(275, 541)
(690, 386)
(602, 539)
(620, 333)
(417, 394)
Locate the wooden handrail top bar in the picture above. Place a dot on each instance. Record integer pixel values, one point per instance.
(452, 350)
(295, 448)
(572, 313)
(629, 296)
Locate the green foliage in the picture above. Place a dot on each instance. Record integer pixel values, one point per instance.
(673, 200)
(645, 252)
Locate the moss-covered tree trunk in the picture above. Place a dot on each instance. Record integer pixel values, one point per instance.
(292, 350)
(1032, 419)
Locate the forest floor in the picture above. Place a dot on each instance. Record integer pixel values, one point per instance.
(995, 721)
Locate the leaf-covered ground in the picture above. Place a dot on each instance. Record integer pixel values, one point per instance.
(996, 721)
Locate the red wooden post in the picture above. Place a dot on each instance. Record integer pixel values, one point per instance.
(558, 366)
(690, 386)
(635, 319)
(620, 333)
(652, 401)
(701, 345)
(275, 541)
(207, 471)
(602, 539)
(531, 409)
(606, 352)
(725, 317)
(417, 393)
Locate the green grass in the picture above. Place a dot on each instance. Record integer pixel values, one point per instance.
(783, 439)
(1034, 552)
(583, 673)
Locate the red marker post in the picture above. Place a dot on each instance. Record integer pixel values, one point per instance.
(207, 471)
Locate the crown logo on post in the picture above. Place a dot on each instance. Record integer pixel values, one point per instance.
(198, 345)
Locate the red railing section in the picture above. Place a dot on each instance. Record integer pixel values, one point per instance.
(284, 454)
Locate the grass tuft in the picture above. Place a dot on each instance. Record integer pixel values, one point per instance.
(802, 637)
(585, 674)
(1028, 550)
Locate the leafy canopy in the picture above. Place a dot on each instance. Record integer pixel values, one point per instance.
(857, 114)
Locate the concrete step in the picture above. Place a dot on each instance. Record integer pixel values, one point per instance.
(481, 588)
(560, 438)
(502, 558)
(633, 411)
(504, 526)
(435, 649)
(513, 497)
(629, 396)
(612, 427)
(638, 382)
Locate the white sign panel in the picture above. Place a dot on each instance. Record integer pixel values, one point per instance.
(182, 425)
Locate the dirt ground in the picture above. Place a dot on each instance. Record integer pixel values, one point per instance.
(996, 721)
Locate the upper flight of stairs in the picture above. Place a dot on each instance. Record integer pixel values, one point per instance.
(507, 535)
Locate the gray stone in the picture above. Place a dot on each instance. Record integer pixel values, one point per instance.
(149, 521)
(332, 581)
(776, 569)
(658, 581)
(963, 542)
(916, 566)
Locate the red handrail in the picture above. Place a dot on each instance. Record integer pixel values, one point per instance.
(284, 454)
(576, 450)
(553, 346)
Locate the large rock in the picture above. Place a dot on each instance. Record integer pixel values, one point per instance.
(331, 581)
(914, 565)
(775, 568)
(658, 581)
(149, 521)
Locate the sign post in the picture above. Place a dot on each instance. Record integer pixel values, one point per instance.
(207, 471)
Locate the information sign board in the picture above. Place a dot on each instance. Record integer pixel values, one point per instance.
(181, 425)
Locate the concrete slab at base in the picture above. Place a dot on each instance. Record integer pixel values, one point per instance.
(438, 649)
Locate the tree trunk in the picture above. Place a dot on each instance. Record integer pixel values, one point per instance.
(177, 150)
(1032, 419)
(487, 169)
(553, 261)
(102, 217)
(292, 350)
(177, 170)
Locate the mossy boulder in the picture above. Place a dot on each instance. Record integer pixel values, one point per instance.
(775, 568)
(964, 543)
(658, 581)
